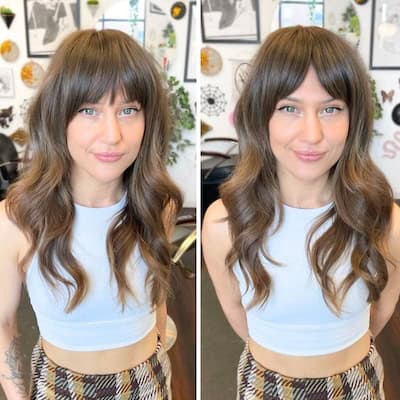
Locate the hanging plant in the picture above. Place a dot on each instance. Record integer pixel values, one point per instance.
(182, 116)
(7, 15)
(134, 12)
(378, 110)
(6, 11)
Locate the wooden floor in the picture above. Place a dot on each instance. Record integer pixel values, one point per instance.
(388, 343)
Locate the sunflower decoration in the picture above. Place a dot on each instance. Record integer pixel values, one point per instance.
(178, 10)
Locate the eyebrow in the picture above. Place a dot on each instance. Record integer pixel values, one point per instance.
(298, 100)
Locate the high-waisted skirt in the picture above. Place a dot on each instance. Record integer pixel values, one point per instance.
(149, 380)
(363, 381)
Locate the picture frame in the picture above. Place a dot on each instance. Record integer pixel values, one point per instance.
(47, 22)
(222, 22)
(154, 9)
(191, 59)
(7, 89)
(385, 35)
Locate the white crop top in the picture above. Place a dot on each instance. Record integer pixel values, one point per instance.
(295, 320)
(98, 323)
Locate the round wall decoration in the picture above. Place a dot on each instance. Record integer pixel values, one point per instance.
(32, 74)
(211, 61)
(9, 50)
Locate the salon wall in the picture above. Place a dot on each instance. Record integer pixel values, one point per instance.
(184, 171)
(385, 148)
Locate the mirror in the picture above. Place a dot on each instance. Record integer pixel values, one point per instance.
(339, 16)
(148, 23)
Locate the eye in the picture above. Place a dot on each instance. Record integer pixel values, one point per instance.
(288, 109)
(129, 111)
(332, 109)
(90, 112)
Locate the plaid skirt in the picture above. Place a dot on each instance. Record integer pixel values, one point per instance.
(149, 380)
(363, 381)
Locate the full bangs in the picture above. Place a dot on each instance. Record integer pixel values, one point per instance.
(288, 56)
(97, 66)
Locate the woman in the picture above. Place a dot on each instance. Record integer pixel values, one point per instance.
(303, 245)
(86, 227)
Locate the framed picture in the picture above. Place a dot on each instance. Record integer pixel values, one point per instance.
(385, 35)
(191, 59)
(6, 82)
(47, 23)
(154, 9)
(224, 22)
(298, 13)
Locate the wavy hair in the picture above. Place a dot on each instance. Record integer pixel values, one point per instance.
(362, 197)
(88, 65)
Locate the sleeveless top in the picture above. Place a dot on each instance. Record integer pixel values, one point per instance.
(98, 323)
(295, 320)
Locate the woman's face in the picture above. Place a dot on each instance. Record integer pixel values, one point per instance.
(308, 131)
(104, 139)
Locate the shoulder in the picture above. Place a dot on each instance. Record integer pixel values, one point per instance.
(215, 220)
(216, 237)
(12, 240)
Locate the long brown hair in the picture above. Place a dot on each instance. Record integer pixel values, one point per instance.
(87, 65)
(362, 197)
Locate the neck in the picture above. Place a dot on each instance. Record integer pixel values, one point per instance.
(101, 196)
(305, 194)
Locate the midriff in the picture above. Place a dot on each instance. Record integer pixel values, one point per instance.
(311, 366)
(103, 361)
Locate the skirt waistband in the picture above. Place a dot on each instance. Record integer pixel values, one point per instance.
(362, 381)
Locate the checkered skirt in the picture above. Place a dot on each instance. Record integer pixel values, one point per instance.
(149, 380)
(364, 381)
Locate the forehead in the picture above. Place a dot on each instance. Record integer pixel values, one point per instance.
(310, 89)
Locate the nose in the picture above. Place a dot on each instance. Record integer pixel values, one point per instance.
(111, 130)
(312, 129)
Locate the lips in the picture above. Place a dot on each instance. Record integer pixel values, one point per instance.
(309, 155)
(108, 156)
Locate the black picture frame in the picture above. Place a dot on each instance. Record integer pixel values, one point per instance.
(191, 59)
(381, 58)
(47, 23)
(232, 25)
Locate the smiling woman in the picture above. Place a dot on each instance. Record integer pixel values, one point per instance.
(87, 227)
(112, 139)
(302, 248)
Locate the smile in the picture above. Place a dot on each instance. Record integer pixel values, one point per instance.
(308, 155)
(108, 157)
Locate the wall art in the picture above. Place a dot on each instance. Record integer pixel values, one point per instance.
(6, 82)
(230, 22)
(385, 35)
(47, 23)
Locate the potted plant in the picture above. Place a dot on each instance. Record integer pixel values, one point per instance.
(93, 6)
(181, 115)
(7, 14)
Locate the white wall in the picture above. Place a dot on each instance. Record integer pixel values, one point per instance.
(385, 149)
(184, 172)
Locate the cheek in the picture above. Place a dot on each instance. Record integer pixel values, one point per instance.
(135, 138)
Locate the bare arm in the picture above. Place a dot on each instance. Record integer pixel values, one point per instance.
(216, 245)
(382, 310)
(11, 367)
